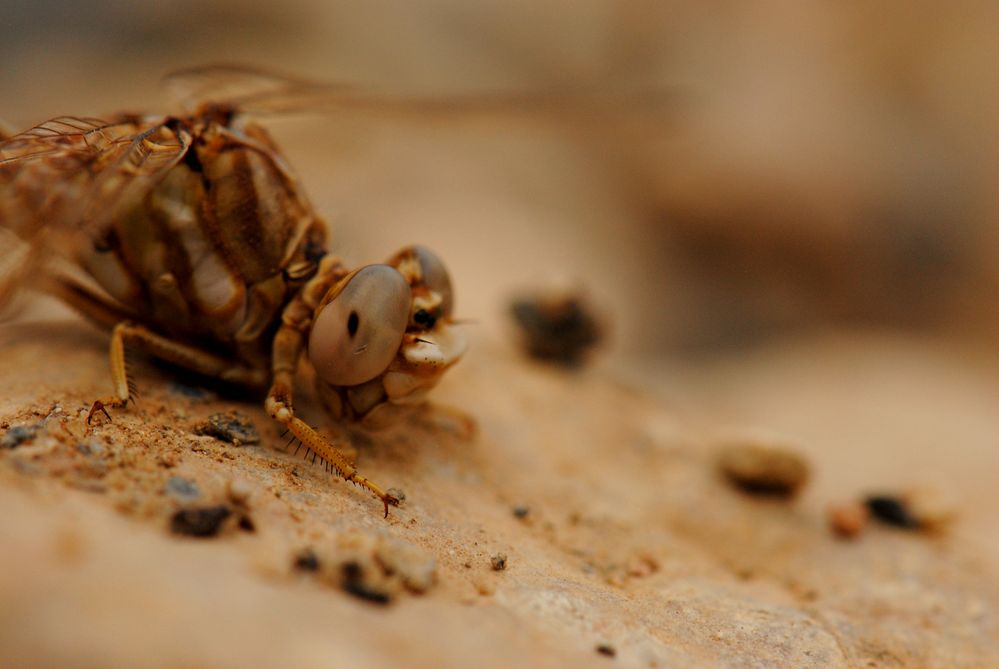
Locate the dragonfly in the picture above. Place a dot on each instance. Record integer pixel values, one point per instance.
(190, 237)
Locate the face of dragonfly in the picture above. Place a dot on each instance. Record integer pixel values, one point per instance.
(392, 320)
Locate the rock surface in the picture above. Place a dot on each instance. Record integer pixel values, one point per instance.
(633, 541)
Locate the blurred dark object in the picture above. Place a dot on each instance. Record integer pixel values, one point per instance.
(557, 327)
(892, 510)
(927, 509)
(202, 522)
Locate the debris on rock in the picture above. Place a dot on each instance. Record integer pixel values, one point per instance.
(764, 470)
(182, 489)
(306, 560)
(891, 510)
(396, 494)
(933, 509)
(238, 491)
(18, 435)
(848, 520)
(374, 567)
(557, 327)
(606, 649)
(520, 511)
(498, 561)
(916, 509)
(355, 583)
(199, 522)
(230, 427)
(414, 567)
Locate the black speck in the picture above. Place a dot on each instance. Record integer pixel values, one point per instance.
(521, 511)
(606, 649)
(18, 434)
(353, 583)
(306, 560)
(230, 427)
(892, 511)
(498, 561)
(199, 522)
(353, 322)
(246, 524)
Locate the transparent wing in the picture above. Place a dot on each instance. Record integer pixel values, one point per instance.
(250, 90)
(259, 92)
(74, 172)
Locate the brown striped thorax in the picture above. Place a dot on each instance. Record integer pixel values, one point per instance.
(196, 227)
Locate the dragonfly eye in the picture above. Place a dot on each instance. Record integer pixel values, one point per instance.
(435, 277)
(427, 275)
(358, 332)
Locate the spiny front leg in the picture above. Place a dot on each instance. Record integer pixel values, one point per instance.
(326, 452)
(288, 343)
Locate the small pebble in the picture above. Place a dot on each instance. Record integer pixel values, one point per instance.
(916, 509)
(934, 510)
(19, 434)
(199, 522)
(606, 649)
(238, 491)
(764, 470)
(306, 560)
(182, 488)
(230, 427)
(520, 511)
(557, 327)
(848, 520)
(354, 583)
(246, 524)
(892, 510)
(498, 561)
(415, 568)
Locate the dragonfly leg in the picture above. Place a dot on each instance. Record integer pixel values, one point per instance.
(288, 345)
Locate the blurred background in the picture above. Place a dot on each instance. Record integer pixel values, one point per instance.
(815, 165)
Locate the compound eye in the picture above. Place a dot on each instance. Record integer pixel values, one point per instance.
(435, 277)
(358, 332)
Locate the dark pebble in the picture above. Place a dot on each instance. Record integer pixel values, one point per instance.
(353, 583)
(17, 435)
(892, 511)
(498, 561)
(246, 524)
(306, 560)
(230, 427)
(558, 329)
(521, 511)
(199, 522)
(606, 649)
